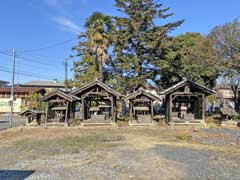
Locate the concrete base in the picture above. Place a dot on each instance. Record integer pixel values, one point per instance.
(135, 123)
(229, 123)
(97, 124)
(189, 123)
(54, 124)
(32, 124)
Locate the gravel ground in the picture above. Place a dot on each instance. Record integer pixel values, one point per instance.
(201, 164)
(220, 137)
(17, 121)
(137, 155)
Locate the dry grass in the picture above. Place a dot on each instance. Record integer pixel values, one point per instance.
(69, 144)
(127, 149)
(91, 138)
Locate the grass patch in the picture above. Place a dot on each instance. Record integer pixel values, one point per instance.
(69, 145)
(76, 122)
(184, 137)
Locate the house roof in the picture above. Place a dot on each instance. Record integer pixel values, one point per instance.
(62, 94)
(99, 83)
(46, 84)
(30, 111)
(184, 82)
(3, 82)
(21, 89)
(144, 92)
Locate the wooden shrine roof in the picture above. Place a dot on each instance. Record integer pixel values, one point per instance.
(142, 91)
(30, 111)
(184, 82)
(97, 83)
(62, 94)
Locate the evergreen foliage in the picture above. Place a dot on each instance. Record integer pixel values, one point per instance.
(140, 42)
(191, 56)
(136, 48)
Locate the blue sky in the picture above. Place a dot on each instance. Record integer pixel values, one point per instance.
(33, 24)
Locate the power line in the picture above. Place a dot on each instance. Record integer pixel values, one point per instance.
(5, 53)
(36, 66)
(49, 46)
(31, 73)
(32, 60)
(35, 61)
(6, 50)
(28, 75)
(38, 61)
(46, 58)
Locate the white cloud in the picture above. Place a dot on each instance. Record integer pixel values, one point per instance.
(67, 24)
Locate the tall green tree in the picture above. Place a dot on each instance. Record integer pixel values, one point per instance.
(191, 56)
(93, 49)
(226, 40)
(140, 42)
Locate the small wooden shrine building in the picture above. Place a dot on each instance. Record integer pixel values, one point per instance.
(33, 117)
(60, 107)
(185, 102)
(98, 103)
(141, 106)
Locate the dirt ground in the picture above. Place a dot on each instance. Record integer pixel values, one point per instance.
(120, 153)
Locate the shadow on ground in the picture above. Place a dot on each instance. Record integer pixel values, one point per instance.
(15, 174)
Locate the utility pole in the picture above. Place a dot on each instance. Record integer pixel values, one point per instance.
(66, 78)
(12, 89)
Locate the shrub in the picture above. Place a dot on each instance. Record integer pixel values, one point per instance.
(237, 118)
(213, 123)
(76, 122)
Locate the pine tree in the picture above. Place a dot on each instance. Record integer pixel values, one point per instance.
(140, 42)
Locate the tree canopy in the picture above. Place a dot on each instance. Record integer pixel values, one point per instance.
(93, 49)
(191, 56)
(140, 42)
(137, 47)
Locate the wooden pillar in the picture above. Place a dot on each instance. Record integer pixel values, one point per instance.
(27, 120)
(66, 113)
(166, 109)
(170, 108)
(203, 107)
(113, 111)
(46, 118)
(71, 110)
(83, 108)
(196, 107)
(152, 109)
(130, 110)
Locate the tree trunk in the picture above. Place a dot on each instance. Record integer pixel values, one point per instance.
(236, 97)
(100, 66)
(99, 63)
